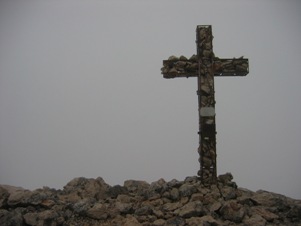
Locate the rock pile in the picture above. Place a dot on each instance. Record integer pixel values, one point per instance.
(137, 203)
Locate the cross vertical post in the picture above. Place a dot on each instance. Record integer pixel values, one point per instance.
(206, 99)
(205, 66)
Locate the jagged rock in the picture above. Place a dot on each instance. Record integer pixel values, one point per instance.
(175, 183)
(116, 190)
(10, 218)
(159, 186)
(159, 222)
(99, 211)
(233, 211)
(175, 221)
(193, 57)
(82, 206)
(187, 190)
(183, 58)
(4, 194)
(19, 198)
(174, 194)
(255, 220)
(136, 185)
(145, 210)
(92, 202)
(205, 220)
(81, 187)
(131, 221)
(37, 219)
(192, 209)
(124, 208)
(266, 214)
(173, 58)
(170, 206)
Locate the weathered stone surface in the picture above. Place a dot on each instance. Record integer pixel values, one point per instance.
(174, 194)
(181, 67)
(171, 206)
(124, 208)
(233, 211)
(255, 220)
(10, 218)
(4, 194)
(131, 221)
(187, 190)
(192, 209)
(37, 219)
(261, 211)
(205, 220)
(135, 185)
(91, 202)
(145, 210)
(116, 190)
(159, 222)
(175, 221)
(99, 211)
(81, 187)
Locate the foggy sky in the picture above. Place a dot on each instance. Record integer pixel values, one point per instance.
(82, 94)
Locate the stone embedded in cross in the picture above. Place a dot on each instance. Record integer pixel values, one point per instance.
(205, 66)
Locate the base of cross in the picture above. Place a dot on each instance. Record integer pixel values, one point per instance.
(207, 160)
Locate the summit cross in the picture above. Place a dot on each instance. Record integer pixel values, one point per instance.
(205, 66)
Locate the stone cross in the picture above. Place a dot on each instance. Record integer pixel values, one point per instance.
(205, 66)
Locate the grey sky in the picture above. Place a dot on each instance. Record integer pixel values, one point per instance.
(81, 92)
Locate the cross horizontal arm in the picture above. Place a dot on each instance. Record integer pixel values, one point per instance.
(190, 68)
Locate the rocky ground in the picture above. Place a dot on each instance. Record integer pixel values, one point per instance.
(85, 202)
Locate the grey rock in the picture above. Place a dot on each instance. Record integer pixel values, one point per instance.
(174, 194)
(171, 206)
(47, 217)
(175, 183)
(233, 211)
(83, 205)
(175, 221)
(124, 208)
(159, 186)
(116, 190)
(183, 58)
(193, 58)
(136, 185)
(10, 218)
(19, 198)
(254, 220)
(145, 210)
(81, 187)
(4, 194)
(266, 214)
(205, 220)
(187, 190)
(173, 58)
(192, 209)
(99, 211)
(159, 222)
